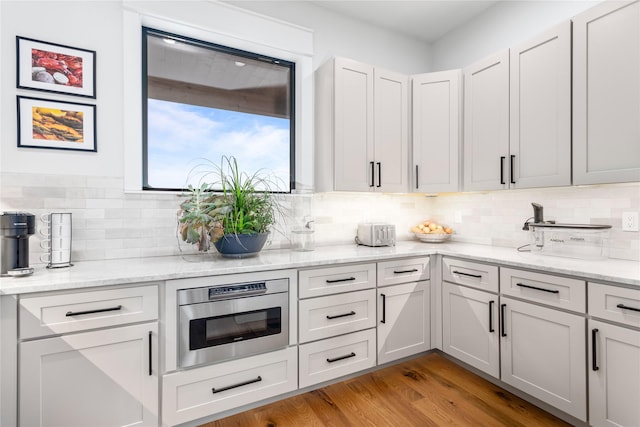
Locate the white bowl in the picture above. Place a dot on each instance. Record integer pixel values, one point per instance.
(432, 237)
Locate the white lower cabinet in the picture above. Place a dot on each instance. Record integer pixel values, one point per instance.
(337, 331)
(614, 356)
(404, 325)
(104, 378)
(614, 375)
(470, 327)
(325, 317)
(196, 393)
(543, 354)
(335, 357)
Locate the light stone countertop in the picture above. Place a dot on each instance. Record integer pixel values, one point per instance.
(88, 274)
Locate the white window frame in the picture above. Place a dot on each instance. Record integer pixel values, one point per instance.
(233, 27)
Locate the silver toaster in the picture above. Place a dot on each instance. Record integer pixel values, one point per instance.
(376, 234)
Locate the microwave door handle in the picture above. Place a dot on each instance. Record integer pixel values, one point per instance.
(236, 294)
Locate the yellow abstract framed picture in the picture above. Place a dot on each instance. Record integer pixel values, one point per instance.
(57, 125)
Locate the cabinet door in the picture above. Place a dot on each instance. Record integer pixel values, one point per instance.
(606, 94)
(436, 131)
(614, 375)
(404, 326)
(211, 389)
(335, 357)
(333, 315)
(44, 314)
(353, 116)
(336, 279)
(395, 272)
(102, 378)
(540, 89)
(391, 141)
(486, 123)
(542, 353)
(616, 304)
(470, 327)
(472, 274)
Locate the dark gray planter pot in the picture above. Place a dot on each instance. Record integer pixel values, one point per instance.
(241, 245)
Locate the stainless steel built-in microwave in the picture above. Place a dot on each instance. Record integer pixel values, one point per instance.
(229, 321)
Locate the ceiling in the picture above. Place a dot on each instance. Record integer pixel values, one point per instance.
(425, 20)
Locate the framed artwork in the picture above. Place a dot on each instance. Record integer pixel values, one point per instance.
(53, 67)
(58, 125)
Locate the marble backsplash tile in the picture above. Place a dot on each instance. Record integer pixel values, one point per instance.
(111, 224)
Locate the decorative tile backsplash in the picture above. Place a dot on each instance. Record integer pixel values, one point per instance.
(109, 224)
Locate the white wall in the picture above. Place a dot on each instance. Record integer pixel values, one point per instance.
(89, 25)
(501, 26)
(336, 35)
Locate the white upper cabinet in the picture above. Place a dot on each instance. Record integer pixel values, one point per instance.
(361, 128)
(391, 136)
(436, 131)
(486, 123)
(540, 116)
(517, 124)
(353, 142)
(606, 94)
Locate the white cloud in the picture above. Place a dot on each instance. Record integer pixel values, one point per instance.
(181, 135)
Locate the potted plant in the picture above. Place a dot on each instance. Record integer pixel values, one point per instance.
(230, 208)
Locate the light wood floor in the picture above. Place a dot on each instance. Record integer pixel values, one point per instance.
(427, 391)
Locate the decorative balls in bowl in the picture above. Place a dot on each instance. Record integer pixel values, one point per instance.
(432, 232)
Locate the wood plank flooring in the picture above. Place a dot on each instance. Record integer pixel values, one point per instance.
(427, 391)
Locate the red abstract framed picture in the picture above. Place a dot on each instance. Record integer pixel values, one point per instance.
(56, 68)
(58, 125)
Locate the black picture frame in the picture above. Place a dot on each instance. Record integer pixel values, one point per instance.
(57, 125)
(56, 68)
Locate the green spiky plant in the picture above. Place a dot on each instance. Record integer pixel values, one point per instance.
(228, 201)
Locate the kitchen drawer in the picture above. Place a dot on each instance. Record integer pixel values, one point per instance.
(614, 303)
(403, 271)
(333, 315)
(53, 314)
(196, 393)
(335, 357)
(333, 280)
(555, 291)
(469, 273)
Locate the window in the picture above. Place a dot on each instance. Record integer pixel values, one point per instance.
(205, 101)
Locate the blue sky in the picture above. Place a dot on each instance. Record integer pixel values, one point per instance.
(181, 135)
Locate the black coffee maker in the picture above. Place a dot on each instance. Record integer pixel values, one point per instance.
(15, 229)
